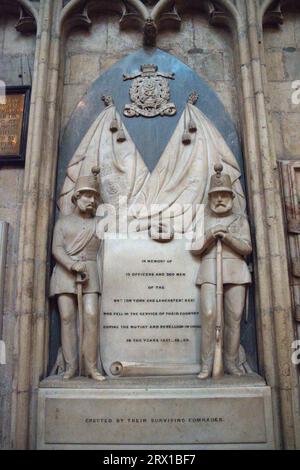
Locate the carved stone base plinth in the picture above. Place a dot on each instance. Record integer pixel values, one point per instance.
(155, 413)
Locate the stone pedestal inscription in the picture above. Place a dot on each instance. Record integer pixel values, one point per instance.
(218, 417)
(150, 321)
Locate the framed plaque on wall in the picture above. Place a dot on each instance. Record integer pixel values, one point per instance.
(14, 114)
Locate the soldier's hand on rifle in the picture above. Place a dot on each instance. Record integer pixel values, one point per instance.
(79, 267)
(209, 236)
(219, 231)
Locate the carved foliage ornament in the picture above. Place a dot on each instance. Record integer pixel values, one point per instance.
(149, 93)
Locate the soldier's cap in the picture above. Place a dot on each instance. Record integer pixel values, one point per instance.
(220, 182)
(87, 183)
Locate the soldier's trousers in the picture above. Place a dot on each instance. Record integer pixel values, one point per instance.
(68, 312)
(234, 302)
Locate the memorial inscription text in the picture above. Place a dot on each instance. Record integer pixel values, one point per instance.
(155, 304)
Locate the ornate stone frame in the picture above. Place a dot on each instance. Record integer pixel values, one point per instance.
(273, 301)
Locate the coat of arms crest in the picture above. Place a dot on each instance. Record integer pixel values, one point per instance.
(150, 93)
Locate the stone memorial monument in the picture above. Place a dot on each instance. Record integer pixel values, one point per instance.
(147, 255)
(150, 245)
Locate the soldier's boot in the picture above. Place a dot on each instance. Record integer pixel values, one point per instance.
(205, 373)
(231, 345)
(206, 369)
(92, 371)
(90, 362)
(231, 365)
(232, 369)
(94, 374)
(70, 372)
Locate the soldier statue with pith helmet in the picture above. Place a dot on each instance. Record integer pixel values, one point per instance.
(223, 278)
(75, 279)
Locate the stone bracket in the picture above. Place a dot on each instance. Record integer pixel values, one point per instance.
(80, 19)
(26, 23)
(217, 16)
(273, 15)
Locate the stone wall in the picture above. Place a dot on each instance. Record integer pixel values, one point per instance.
(206, 49)
(16, 68)
(282, 46)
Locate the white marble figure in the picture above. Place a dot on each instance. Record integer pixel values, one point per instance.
(223, 278)
(75, 279)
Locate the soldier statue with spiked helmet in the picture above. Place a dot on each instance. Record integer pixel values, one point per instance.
(223, 278)
(75, 279)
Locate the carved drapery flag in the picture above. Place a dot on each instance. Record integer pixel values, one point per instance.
(181, 177)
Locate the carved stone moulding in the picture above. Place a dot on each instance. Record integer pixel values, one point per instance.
(3, 249)
(148, 16)
(26, 23)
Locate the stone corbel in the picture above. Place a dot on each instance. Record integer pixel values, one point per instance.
(26, 23)
(217, 16)
(81, 19)
(137, 14)
(273, 15)
(131, 19)
(79, 13)
(163, 14)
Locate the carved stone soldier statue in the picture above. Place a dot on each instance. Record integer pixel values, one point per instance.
(221, 223)
(75, 279)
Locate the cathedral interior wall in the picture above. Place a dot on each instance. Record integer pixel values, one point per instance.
(282, 48)
(282, 54)
(17, 61)
(206, 49)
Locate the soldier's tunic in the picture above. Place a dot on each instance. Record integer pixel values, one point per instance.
(75, 240)
(235, 269)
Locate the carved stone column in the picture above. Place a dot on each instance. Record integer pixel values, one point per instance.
(32, 233)
(3, 244)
